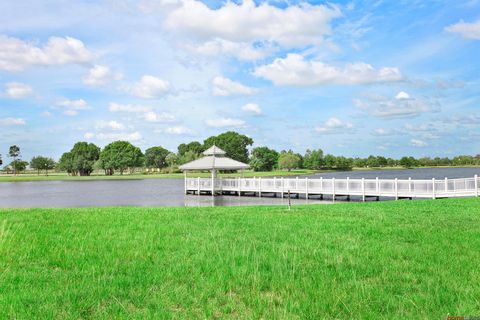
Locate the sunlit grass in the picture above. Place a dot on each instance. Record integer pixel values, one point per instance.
(391, 260)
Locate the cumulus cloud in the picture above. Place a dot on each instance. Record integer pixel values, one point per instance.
(150, 87)
(110, 125)
(131, 108)
(334, 126)
(241, 50)
(226, 87)
(18, 55)
(252, 108)
(16, 90)
(100, 75)
(72, 107)
(294, 70)
(418, 143)
(295, 25)
(12, 122)
(225, 122)
(113, 136)
(465, 29)
(158, 117)
(179, 130)
(396, 107)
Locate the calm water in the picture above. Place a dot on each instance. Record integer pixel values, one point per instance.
(169, 192)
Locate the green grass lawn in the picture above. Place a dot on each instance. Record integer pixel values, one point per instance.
(390, 260)
(64, 176)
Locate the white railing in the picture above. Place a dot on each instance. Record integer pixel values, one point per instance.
(397, 188)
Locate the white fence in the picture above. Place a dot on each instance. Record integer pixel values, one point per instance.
(396, 188)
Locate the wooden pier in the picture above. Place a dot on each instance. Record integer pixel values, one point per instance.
(335, 188)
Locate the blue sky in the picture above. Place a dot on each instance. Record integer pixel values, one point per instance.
(353, 78)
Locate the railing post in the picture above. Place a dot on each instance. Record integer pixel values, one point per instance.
(296, 183)
(283, 187)
(410, 186)
(260, 187)
(239, 186)
(321, 184)
(306, 188)
(198, 185)
(433, 188)
(185, 180)
(333, 189)
(396, 188)
(275, 185)
(446, 186)
(348, 186)
(476, 185)
(377, 186)
(363, 189)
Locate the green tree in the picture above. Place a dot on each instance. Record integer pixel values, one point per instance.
(263, 159)
(155, 157)
(234, 144)
(121, 155)
(66, 163)
(187, 157)
(18, 165)
(408, 162)
(83, 157)
(42, 163)
(171, 159)
(194, 146)
(342, 163)
(289, 160)
(329, 161)
(313, 159)
(14, 152)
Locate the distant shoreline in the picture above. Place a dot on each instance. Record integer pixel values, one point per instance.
(30, 177)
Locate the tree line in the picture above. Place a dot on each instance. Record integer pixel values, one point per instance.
(122, 156)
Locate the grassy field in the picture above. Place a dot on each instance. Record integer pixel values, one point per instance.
(64, 176)
(391, 260)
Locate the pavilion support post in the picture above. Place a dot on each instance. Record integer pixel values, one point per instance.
(213, 181)
(476, 185)
(185, 181)
(433, 188)
(333, 189)
(283, 187)
(306, 188)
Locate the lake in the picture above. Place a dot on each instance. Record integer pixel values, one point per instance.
(170, 192)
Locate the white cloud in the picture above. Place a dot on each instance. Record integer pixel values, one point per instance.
(226, 87)
(110, 125)
(418, 143)
(131, 108)
(100, 75)
(225, 122)
(385, 107)
(334, 126)
(17, 90)
(113, 136)
(294, 70)
(240, 50)
(252, 108)
(150, 87)
(17, 55)
(402, 95)
(295, 25)
(72, 107)
(158, 117)
(384, 132)
(12, 122)
(465, 29)
(179, 130)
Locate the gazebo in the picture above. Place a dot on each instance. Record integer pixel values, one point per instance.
(214, 160)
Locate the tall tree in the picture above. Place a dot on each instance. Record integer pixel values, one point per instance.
(263, 159)
(84, 155)
(155, 157)
(289, 160)
(194, 146)
(313, 159)
(42, 163)
(18, 166)
(121, 155)
(66, 163)
(234, 144)
(14, 152)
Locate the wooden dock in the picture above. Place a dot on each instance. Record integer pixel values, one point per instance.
(334, 188)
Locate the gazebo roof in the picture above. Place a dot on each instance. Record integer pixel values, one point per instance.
(214, 150)
(212, 162)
